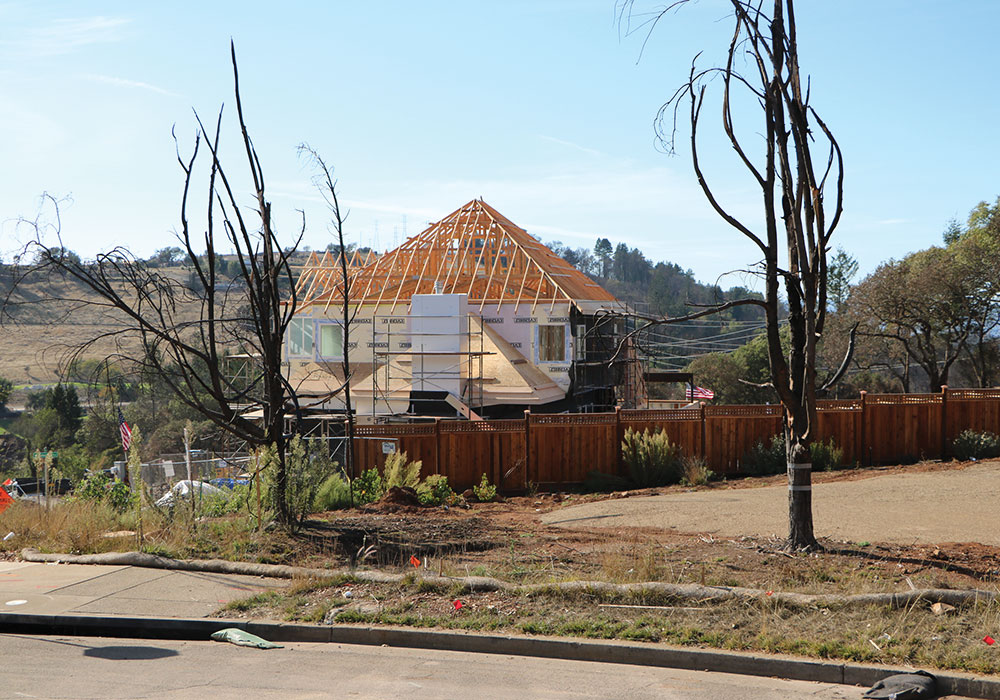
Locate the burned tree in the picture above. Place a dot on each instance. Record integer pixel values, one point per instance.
(327, 185)
(797, 220)
(183, 328)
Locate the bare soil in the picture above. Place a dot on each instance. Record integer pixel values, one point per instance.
(559, 536)
(513, 541)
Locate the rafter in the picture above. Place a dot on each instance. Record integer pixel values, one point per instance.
(475, 250)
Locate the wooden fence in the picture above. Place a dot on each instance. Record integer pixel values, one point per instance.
(556, 450)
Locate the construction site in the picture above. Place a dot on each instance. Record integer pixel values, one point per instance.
(472, 318)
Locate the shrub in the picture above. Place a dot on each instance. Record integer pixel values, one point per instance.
(971, 444)
(695, 471)
(224, 502)
(651, 458)
(761, 459)
(98, 487)
(484, 490)
(826, 456)
(368, 487)
(435, 491)
(333, 494)
(399, 472)
(307, 464)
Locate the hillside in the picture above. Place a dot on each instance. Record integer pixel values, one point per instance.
(42, 325)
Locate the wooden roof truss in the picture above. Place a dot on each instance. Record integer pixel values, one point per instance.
(475, 250)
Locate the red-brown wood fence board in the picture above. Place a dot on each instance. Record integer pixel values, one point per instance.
(971, 409)
(494, 448)
(731, 431)
(560, 449)
(565, 447)
(903, 427)
(841, 420)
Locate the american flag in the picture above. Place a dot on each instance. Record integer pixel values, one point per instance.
(696, 392)
(125, 431)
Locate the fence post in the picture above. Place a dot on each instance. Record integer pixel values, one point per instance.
(527, 448)
(437, 445)
(863, 449)
(944, 421)
(619, 437)
(701, 409)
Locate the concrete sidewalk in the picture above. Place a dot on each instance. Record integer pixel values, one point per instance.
(51, 589)
(135, 602)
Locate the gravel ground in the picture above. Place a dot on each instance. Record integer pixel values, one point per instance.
(907, 508)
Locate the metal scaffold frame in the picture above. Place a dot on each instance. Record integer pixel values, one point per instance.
(467, 366)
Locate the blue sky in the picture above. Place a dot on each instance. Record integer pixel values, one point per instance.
(543, 108)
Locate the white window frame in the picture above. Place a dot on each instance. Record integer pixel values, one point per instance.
(319, 340)
(566, 344)
(295, 325)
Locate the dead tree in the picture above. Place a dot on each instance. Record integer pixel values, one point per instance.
(183, 329)
(794, 162)
(328, 188)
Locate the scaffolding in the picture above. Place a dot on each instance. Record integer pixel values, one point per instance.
(434, 371)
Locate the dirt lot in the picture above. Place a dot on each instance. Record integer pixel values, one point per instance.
(928, 507)
(552, 538)
(928, 522)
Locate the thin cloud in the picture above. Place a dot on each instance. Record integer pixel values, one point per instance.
(570, 144)
(63, 36)
(892, 222)
(123, 82)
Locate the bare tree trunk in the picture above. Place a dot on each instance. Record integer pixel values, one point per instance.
(792, 182)
(328, 187)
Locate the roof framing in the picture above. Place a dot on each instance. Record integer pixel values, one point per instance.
(475, 250)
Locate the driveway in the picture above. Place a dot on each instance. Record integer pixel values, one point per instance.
(952, 505)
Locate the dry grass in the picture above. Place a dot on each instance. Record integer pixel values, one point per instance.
(85, 527)
(74, 527)
(874, 635)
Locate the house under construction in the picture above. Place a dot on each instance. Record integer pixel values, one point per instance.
(472, 317)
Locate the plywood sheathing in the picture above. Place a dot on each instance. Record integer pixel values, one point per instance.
(475, 250)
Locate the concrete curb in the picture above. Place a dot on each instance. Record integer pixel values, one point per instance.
(545, 647)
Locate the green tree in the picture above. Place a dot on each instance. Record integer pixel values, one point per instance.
(925, 304)
(738, 377)
(6, 387)
(602, 253)
(841, 271)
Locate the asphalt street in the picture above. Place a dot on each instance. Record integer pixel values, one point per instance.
(87, 667)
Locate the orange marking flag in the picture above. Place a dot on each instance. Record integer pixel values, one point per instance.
(5, 500)
(414, 560)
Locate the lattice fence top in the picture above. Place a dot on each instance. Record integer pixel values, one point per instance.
(664, 414)
(833, 405)
(574, 419)
(744, 411)
(483, 426)
(966, 394)
(905, 399)
(394, 430)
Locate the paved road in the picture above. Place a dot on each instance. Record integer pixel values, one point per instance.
(120, 590)
(924, 507)
(68, 667)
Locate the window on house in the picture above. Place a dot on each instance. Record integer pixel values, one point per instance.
(331, 341)
(552, 343)
(300, 337)
(581, 343)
